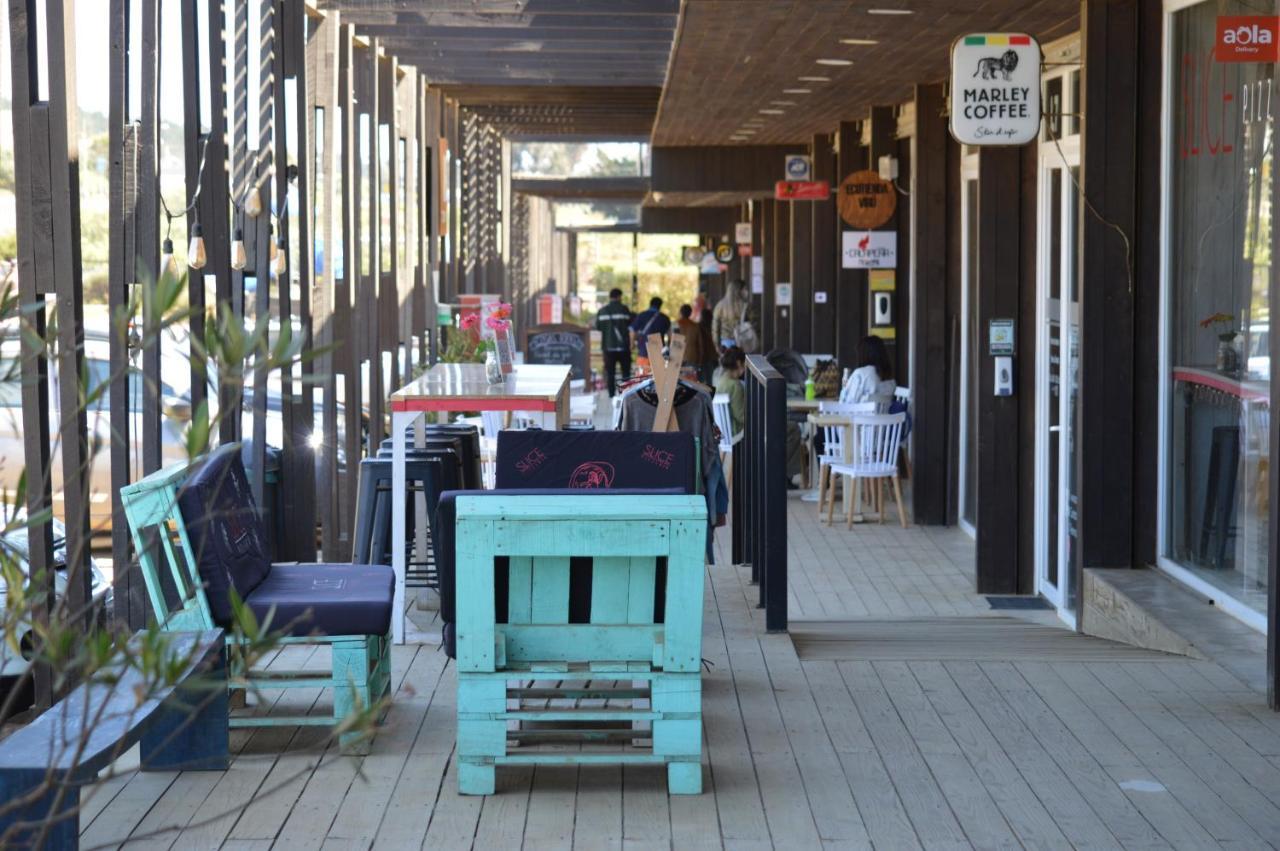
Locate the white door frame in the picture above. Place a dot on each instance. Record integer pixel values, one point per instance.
(1063, 155)
(968, 172)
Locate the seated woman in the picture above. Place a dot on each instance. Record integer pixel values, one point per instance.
(874, 375)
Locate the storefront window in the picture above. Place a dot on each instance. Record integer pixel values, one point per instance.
(1219, 267)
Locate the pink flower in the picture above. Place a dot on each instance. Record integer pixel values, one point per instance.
(470, 322)
(496, 323)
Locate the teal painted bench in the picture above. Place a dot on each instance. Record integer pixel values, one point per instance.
(220, 547)
(503, 718)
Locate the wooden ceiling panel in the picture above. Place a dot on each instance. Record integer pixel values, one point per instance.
(533, 67)
(734, 58)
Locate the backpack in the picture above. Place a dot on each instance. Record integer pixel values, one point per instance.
(744, 334)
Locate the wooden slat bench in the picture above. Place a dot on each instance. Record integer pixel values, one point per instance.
(629, 539)
(181, 726)
(212, 543)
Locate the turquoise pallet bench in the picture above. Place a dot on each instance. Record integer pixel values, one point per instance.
(503, 717)
(360, 673)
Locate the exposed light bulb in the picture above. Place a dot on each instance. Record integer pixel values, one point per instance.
(196, 256)
(274, 249)
(279, 260)
(238, 257)
(168, 266)
(253, 204)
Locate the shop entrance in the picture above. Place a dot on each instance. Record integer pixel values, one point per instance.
(967, 501)
(1058, 329)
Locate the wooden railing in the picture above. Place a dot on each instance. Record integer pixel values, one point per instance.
(760, 490)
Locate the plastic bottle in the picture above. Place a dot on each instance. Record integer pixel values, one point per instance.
(810, 390)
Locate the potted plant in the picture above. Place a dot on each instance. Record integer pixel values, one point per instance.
(1228, 357)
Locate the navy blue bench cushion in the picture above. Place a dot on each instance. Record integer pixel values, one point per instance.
(600, 460)
(326, 599)
(226, 533)
(443, 548)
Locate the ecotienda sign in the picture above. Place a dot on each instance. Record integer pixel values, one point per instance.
(995, 89)
(1247, 38)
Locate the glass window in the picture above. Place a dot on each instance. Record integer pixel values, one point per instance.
(1219, 266)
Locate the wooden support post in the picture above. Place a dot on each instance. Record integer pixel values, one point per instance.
(931, 385)
(851, 306)
(825, 250)
(782, 314)
(347, 355)
(801, 276)
(1000, 270)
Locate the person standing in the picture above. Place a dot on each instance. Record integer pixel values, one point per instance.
(710, 351)
(692, 331)
(612, 322)
(732, 321)
(646, 322)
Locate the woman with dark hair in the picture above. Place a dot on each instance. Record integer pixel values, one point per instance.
(874, 375)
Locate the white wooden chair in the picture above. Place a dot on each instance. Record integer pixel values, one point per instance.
(728, 439)
(875, 439)
(833, 437)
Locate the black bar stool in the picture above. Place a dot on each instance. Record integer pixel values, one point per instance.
(426, 472)
(1220, 495)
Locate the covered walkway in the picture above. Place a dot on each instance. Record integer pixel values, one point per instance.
(1072, 742)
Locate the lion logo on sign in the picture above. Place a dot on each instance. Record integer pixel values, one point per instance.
(990, 66)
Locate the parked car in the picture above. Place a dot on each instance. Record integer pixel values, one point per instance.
(15, 546)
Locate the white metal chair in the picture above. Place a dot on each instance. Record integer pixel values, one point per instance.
(728, 439)
(874, 456)
(833, 443)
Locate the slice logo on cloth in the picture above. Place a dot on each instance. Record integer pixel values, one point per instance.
(592, 475)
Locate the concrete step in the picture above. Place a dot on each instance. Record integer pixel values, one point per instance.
(1145, 608)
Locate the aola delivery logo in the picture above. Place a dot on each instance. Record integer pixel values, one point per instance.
(1247, 38)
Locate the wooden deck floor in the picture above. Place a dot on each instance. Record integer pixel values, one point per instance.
(1135, 751)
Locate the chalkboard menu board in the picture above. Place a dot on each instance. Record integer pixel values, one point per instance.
(568, 345)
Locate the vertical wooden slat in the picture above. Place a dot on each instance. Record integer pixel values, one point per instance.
(347, 355)
(34, 240)
(128, 588)
(148, 228)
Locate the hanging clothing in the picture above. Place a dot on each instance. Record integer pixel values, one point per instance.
(693, 416)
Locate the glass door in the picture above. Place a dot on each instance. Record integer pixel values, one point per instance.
(1057, 502)
(969, 346)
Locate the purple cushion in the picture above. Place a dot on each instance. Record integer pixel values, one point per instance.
(226, 532)
(326, 599)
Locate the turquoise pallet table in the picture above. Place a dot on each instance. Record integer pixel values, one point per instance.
(501, 712)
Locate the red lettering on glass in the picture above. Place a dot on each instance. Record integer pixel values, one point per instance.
(1204, 115)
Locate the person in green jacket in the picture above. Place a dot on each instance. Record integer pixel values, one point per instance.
(728, 380)
(613, 322)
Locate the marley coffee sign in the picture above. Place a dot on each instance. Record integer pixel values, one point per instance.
(866, 201)
(995, 89)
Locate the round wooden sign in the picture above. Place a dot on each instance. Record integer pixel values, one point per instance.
(866, 201)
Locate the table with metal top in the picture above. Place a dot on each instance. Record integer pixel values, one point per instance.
(542, 390)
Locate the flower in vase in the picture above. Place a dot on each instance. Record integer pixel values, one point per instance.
(496, 323)
(470, 322)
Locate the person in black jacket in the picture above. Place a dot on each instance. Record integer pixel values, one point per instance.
(613, 322)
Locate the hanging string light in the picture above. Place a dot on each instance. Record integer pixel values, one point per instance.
(239, 259)
(253, 203)
(279, 262)
(196, 255)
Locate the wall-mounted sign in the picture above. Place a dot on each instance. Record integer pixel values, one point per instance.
(801, 190)
(724, 252)
(1000, 337)
(820, 297)
(872, 249)
(882, 280)
(798, 167)
(757, 276)
(995, 89)
(866, 200)
(710, 265)
(693, 254)
(558, 343)
(742, 233)
(744, 250)
(782, 295)
(1247, 38)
